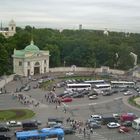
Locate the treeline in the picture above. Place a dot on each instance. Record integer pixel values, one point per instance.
(85, 48)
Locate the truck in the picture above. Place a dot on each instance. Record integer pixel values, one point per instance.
(136, 124)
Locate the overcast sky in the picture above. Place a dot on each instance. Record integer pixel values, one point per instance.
(121, 15)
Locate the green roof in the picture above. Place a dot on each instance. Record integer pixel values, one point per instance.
(19, 53)
(31, 47)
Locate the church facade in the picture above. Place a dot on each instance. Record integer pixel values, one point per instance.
(11, 29)
(30, 61)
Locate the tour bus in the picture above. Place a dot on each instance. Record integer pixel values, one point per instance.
(103, 87)
(122, 84)
(78, 87)
(43, 134)
(94, 82)
(136, 124)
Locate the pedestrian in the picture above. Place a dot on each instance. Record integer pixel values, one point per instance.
(84, 131)
(56, 106)
(65, 109)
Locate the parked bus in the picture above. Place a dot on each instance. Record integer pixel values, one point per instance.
(43, 134)
(94, 82)
(136, 124)
(78, 87)
(103, 87)
(122, 84)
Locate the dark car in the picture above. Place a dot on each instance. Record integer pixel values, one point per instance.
(4, 129)
(94, 125)
(4, 137)
(78, 95)
(127, 123)
(55, 119)
(124, 90)
(68, 130)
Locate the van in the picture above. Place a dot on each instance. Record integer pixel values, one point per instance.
(127, 117)
(108, 119)
(136, 124)
(55, 119)
(29, 125)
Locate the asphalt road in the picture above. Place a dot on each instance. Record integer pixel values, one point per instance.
(79, 109)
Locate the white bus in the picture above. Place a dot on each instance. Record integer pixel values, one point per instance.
(122, 84)
(94, 82)
(136, 124)
(103, 87)
(78, 87)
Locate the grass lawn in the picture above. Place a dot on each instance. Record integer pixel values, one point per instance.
(16, 114)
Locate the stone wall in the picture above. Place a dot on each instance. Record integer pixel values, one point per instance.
(85, 69)
(5, 80)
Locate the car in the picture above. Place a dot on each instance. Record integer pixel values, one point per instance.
(96, 117)
(93, 97)
(68, 99)
(27, 88)
(106, 93)
(90, 120)
(116, 116)
(124, 90)
(93, 93)
(113, 125)
(4, 137)
(78, 95)
(127, 123)
(68, 130)
(94, 125)
(4, 128)
(37, 121)
(123, 129)
(69, 73)
(40, 81)
(127, 93)
(13, 123)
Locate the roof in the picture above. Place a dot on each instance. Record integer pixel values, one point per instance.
(31, 47)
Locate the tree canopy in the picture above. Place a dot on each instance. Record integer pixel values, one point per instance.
(86, 48)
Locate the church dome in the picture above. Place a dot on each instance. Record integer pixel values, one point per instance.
(12, 22)
(31, 47)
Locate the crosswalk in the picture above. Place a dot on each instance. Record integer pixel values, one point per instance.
(90, 136)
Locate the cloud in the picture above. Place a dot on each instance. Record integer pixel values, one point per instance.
(111, 14)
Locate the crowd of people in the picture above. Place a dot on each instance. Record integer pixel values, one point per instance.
(25, 99)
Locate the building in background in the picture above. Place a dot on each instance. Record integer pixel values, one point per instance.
(10, 30)
(30, 61)
(80, 26)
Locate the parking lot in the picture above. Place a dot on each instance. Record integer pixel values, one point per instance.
(79, 109)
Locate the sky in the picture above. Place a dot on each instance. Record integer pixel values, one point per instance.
(115, 15)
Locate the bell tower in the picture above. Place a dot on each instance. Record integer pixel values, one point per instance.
(11, 28)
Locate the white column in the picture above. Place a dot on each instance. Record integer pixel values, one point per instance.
(31, 68)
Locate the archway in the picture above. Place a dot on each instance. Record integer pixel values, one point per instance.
(37, 68)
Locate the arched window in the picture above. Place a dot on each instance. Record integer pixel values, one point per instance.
(37, 64)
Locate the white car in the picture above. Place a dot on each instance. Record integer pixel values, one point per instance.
(113, 125)
(13, 123)
(96, 117)
(127, 93)
(69, 73)
(93, 97)
(40, 81)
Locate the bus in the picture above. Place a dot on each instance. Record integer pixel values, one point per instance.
(102, 87)
(122, 84)
(43, 134)
(78, 87)
(94, 82)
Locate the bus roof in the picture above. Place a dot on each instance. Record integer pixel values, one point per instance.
(102, 85)
(94, 81)
(119, 82)
(43, 132)
(79, 84)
